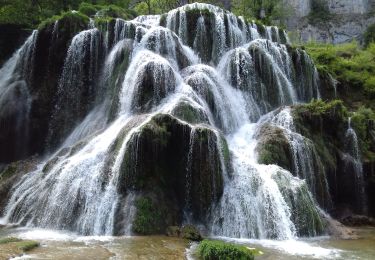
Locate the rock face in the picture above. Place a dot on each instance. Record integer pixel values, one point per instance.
(349, 6)
(191, 182)
(349, 19)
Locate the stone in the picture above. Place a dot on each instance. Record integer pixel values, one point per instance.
(191, 232)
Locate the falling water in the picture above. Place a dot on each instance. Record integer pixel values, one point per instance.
(148, 70)
(353, 158)
(15, 98)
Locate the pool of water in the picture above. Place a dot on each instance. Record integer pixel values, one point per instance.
(63, 245)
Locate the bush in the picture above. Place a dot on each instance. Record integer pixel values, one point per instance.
(369, 36)
(88, 9)
(321, 108)
(73, 17)
(218, 250)
(319, 11)
(352, 66)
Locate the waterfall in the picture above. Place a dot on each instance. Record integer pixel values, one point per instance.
(353, 160)
(77, 89)
(198, 83)
(16, 100)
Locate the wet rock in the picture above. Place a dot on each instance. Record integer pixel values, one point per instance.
(175, 164)
(173, 231)
(273, 147)
(191, 232)
(358, 220)
(10, 175)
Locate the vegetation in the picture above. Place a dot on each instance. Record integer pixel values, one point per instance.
(30, 13)
(369, 36)
(267, 11)
(320, 108)
(219, 250)
(23, 245)
(76, 18)
(319, 12)
(9, 240)
(147, 218)
(361, 119)
(353, 67)
(190, 232)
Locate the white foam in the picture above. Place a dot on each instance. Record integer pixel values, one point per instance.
(45, 234)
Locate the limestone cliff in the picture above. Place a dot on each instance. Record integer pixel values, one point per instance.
(346, 19)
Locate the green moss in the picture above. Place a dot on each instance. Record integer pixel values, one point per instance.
(318, 107)
(163, 20)
(27, 245)
(71, 17)
(225, 150)
(261, 28)
(88, 9)
(23, 245)
(351, 66)
(148, 217)
(190, 232)
(361, 124)
(115, 11)
(8, 171)
(190, 114)
(9, 240)
(218, 250)
(274, 148)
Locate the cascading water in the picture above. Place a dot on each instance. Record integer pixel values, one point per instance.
(15, 99)
(353, 160)
(150, 71)
(307, 164)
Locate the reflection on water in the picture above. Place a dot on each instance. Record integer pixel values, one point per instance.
(58, 245)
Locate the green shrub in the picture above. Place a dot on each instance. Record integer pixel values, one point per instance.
(88, 9)
(369, 36)
(71, 17)
(319, 11)
(218, 250)
(352, 66)
(317, 107)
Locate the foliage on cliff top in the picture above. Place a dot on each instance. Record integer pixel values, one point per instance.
(106, 11)
(352, 66)
(317, 107)
(70, 16)
(30, 13)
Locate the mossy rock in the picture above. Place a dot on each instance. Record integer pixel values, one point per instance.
(219, 250)
(189, 113)
(173, 231)
(273, 147)
(10, 174)
(177, 164)
(148, 218)
(10, 246)
(72, 18)
(304, 213)
(190, 232)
